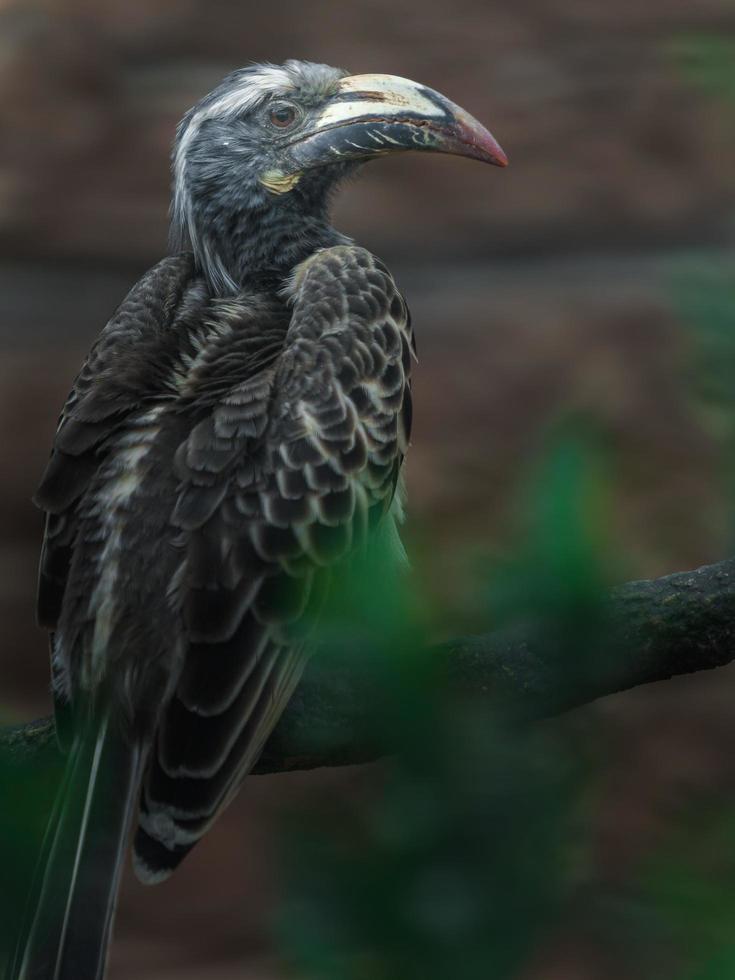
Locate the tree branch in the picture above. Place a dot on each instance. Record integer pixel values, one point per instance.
(644, 631)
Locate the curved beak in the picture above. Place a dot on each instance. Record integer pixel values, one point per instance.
(371, 115)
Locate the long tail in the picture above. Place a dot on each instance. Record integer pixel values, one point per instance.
(73, 899)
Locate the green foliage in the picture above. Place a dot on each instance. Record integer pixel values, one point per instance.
(460, 850)
(562, 562)
(703, 289)
(706, 61)
(27, 797)
(458, 862)
(690, 883)
(704, 294)
(563, 559)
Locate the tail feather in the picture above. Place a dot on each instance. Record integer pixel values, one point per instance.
(74, 896)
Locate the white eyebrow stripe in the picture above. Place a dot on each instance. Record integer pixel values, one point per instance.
(268, 81)
(255, 86)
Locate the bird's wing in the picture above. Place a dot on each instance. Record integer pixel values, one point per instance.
(67, 924)
(123, 369)
(281, 480)
(103, 395)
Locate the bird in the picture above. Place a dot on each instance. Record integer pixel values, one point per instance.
(237, 431)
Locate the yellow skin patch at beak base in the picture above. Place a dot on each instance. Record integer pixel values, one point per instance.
(279, 183)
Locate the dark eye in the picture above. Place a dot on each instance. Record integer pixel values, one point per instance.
(283, 116)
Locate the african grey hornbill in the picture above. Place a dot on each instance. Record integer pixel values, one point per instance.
(237, 430)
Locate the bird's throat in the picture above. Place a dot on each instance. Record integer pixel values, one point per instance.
(268, 236)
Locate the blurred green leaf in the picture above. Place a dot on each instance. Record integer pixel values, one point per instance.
(455, 869)
(27, 796)
(561, 563)
(464, 847)
(707, 61)
(690, 883)
(704, 295)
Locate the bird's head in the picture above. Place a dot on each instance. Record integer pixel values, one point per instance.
(256, 160)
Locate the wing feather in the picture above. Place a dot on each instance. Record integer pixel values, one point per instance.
(279, 481)
(104, 393)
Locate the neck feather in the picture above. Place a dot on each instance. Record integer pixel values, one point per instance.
(237, 242)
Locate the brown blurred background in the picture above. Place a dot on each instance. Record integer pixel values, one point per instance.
(535, 291)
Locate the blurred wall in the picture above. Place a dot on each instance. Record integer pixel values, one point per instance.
(535, 291)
